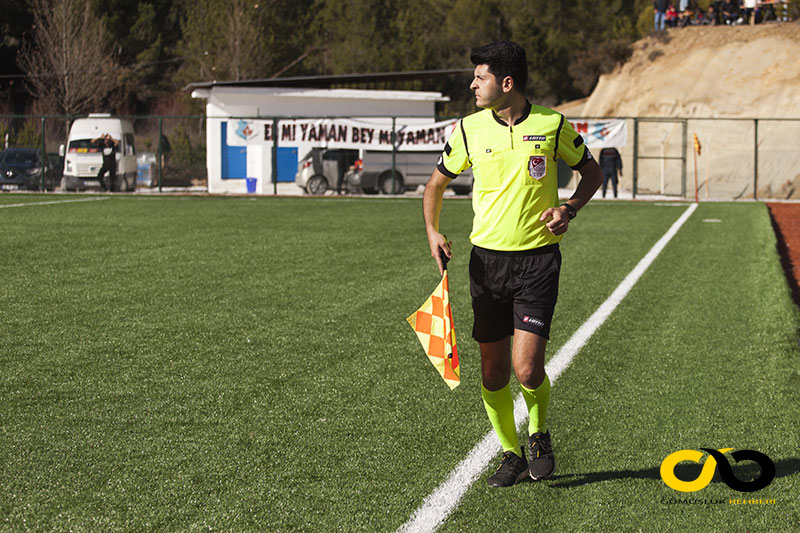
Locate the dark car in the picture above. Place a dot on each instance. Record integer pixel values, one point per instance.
(21, 168)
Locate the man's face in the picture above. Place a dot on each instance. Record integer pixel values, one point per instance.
(487, 88)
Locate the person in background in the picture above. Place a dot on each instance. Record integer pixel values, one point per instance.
(659, 10)
(750, 7)
(700, 18)
(671, 16)
(730, 13)
(108, 146)
(685, 18)
(713, 13)
(610, 163)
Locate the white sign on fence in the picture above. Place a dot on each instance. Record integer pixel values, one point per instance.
(340, 133)
(347, 133)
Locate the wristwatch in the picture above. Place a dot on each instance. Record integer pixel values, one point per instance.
(571, 211)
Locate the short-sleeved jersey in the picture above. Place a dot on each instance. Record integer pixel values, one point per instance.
(516, 177)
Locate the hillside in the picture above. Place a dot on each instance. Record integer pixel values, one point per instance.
(704, 71)
(729, 74)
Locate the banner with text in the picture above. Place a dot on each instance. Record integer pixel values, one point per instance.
(340, 133)
(602, 133)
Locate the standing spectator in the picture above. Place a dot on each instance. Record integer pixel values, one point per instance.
(610, 162)
(671, 16)
(750, 7)
(660, 10)
(108, 146)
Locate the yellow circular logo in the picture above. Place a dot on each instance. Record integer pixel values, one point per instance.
(715, 460)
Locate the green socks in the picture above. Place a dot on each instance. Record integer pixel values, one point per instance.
(537, 401)
(500, 408)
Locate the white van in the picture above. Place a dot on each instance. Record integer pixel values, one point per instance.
(83, 159)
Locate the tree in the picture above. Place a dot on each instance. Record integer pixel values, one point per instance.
(237, 39)
(68, 63)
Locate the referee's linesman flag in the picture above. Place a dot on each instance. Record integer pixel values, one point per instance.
(433, 324)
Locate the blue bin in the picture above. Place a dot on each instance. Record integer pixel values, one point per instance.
(251, 185)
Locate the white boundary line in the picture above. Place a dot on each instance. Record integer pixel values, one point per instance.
(53, 202)
(443, 501)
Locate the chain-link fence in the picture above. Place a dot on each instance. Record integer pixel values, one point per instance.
(743, 158)
(168, 151)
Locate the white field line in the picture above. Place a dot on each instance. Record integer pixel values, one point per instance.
(443, 501)
(54, 202)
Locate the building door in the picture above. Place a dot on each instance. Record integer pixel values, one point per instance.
(287, 163)
(234, 158)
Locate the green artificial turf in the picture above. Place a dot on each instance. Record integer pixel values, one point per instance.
(239, 364)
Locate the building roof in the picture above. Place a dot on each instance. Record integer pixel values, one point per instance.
(338, 80)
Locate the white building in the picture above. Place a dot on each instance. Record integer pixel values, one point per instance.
(241, 115)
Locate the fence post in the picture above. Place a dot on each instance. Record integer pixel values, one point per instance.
(275, 156)
(635, 154)
(158, 150)
(755, 160)
(394, 154)
(684, 135)
(44, 156)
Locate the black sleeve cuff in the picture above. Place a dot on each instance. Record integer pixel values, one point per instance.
(440, 167)
(587, 155)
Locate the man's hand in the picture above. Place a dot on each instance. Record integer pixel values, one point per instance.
(558, 220)
(440, 245)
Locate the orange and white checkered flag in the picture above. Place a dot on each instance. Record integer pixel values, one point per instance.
(433, 324)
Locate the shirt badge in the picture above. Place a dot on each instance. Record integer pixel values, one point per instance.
(537, 166)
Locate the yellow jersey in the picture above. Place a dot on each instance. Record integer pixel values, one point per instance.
(515, 173)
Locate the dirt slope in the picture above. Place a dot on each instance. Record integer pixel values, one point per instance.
(704, 71)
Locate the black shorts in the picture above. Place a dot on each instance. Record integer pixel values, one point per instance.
(513, 290)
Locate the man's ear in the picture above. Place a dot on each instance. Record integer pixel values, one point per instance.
(508, 84)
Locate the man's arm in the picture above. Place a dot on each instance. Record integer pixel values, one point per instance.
(591, 179)
(431, 207)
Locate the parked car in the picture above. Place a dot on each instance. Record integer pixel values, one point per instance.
(21, 168)
(321, 168)
(373, 173)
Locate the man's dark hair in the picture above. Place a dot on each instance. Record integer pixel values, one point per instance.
(504, 58)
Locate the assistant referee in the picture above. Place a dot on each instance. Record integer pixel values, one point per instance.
(512, 147)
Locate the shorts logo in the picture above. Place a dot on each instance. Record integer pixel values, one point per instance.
(537, 166)
(715, 460)
(531, 320)
(534, 138)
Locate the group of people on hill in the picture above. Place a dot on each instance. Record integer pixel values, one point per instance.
(719, 12)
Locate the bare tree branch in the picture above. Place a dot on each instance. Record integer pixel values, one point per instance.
(68, 44)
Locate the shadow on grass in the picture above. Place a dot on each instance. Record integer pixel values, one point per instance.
(745, 472)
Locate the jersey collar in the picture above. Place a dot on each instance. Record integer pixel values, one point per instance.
(522, 117)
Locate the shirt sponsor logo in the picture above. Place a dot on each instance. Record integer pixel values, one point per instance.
(534, 138)
(537, 166)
